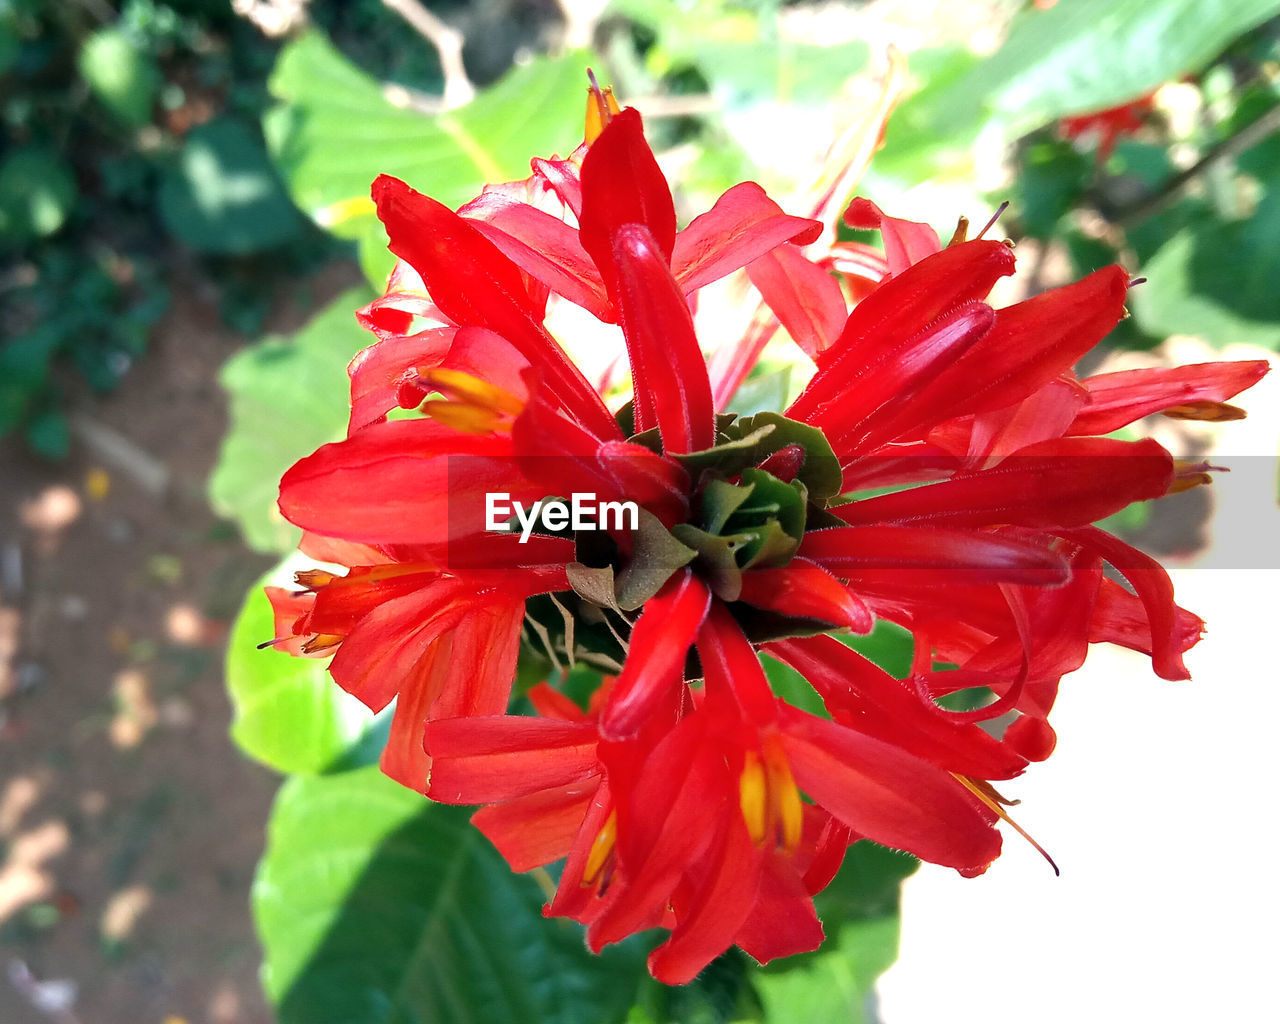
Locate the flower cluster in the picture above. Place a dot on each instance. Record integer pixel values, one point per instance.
(942, 470)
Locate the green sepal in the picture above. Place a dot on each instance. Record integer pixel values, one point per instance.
(655, 556)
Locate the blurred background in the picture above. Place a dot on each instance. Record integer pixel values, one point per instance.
(184, 234)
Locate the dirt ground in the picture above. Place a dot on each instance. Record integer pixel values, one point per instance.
(129, 824)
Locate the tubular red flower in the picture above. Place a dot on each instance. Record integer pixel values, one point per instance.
(687, 795)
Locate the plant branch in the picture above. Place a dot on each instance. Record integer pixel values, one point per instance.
(447, 41)
(1229, 148)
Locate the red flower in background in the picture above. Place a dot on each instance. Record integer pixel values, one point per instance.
(688, 796)
(1108, 125)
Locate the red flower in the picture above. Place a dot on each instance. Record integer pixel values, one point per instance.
(689, 796)
(1108, 125)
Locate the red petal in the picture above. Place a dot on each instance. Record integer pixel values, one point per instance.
(887, 795)
(404, 758)
(905, 241)
(1069, 482)
(803, 296)
(672, 389)
(803, 589)
(871, 392)
(474, 284)
(743, 224)
(537, 829)
(391, 649)
(562, 176)
(499, 758)
(1120, 618)
(378, 372)
(958, 556)
(397, 482)
(907, 304)
(720, 904)
(622, 184)
(544, 247)
(1117, 399)
(659, 644)
(782, 921)
(1154, 589)
(864, 696)
(1031, 344)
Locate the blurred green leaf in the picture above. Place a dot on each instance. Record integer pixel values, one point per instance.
(1083, 55)
(24, 372)
(1212, 276)
(289, 714)
(287, 399)
(37, 192)
(1051, 179)
(335, 130)
(223, 195)
(48, 434)
(375, 906)
(123, 76)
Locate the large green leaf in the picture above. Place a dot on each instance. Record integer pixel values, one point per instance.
(335, 130)
(377, 907)
(1085, 55)
(289, 714)
(288, 397)
(1078, 56)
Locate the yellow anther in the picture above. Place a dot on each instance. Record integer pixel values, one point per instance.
(753, 796)
(313, 579)
(784, 797)
(469, 419)
(601, 106)
(1209, 412)
(601, 850)
(961, 233)
(471, 390)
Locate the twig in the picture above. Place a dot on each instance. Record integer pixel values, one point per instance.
(447, 41)
(1248, 136)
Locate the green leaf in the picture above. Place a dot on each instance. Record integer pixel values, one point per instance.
(124, 78)
(288, 397)
(1088, 55)
(289, 714)
(377, 907)
(223, 196)
(860, 912)
(335, 131)
(37, 192)
(1216, 277)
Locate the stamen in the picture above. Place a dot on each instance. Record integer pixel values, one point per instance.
(961, 233)
(976, 788)
(1187, 475)
(313, 579)
(1208, 412)
(769, 798)
(470, 419)
(994, 217)
(472, 390)
(601, 850)
(752, 794)
(601, 106)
